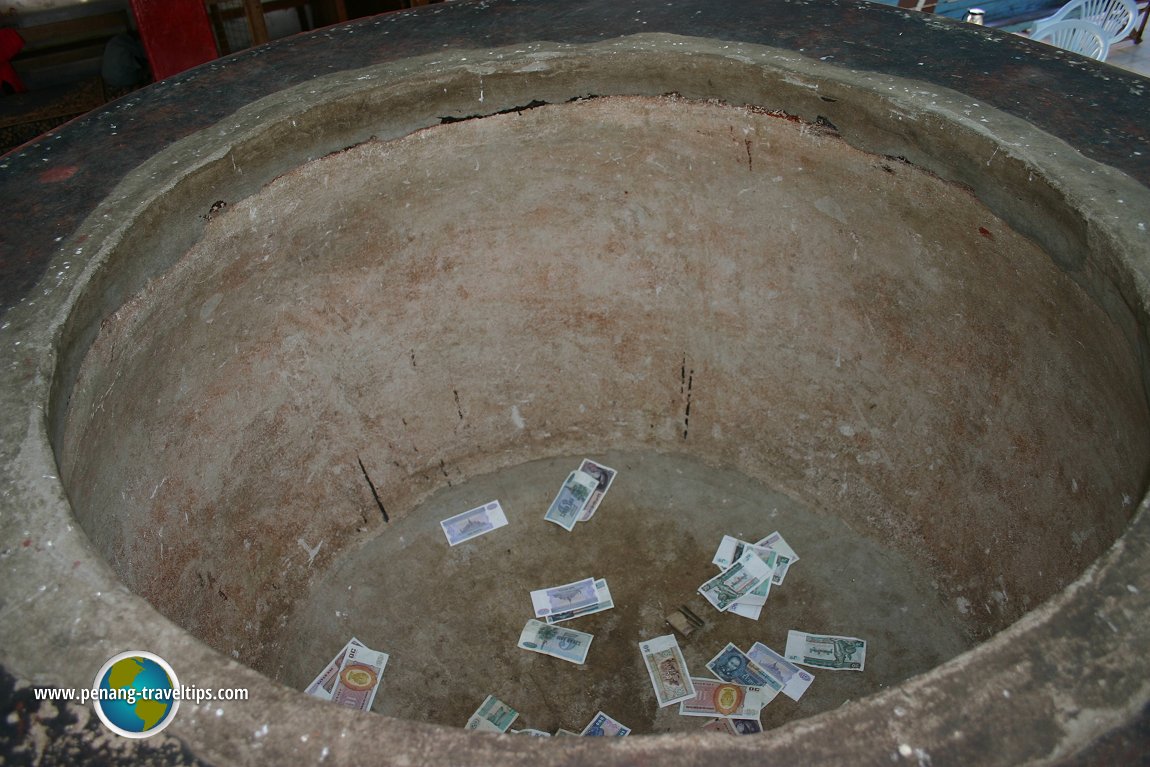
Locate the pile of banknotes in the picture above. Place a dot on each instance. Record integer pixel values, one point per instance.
(493, 715)
(572, 600)
(352, 677)
(743, 683)
(582, 492)
(562, 603)
(748, 571)
(732, 700)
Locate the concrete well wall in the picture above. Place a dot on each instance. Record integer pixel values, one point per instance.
(939, 342)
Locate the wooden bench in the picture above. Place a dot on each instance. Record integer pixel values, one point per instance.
(322, 13)
(66, 44)
(60, 65)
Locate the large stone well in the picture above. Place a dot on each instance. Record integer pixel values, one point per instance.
(274, 318)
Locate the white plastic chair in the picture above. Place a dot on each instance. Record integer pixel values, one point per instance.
(1076, 35)
(1115, 17)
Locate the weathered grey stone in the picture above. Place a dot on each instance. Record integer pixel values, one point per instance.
(955, 374)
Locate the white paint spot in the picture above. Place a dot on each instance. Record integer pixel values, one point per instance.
(1006, 694)
(1107, 621)
(831, 208)
(516, 418)
(311, 553)
(261, 731)
(209, 307)
(899, 711)
(905, 750)
(846, 430)
(1131, 588)
(963, 605)
(157, 488)
(219, 712)
(792, 80)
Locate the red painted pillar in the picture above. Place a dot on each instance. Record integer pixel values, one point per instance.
(176, 34)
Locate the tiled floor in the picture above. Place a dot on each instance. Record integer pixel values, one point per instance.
(1130, 56)
(1126, 54)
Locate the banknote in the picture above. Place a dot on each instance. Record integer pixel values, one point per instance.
(822, 651)
(359, 677)
(323, 685)
(733, 665)
(566, 598)
(743, 726)
(730, 549)
(473, 523)
(736, 581)
(787, 555)
(667, 669)
(758, 596)
(725, 699)
(604, 476)
(561, 733)
(602, 725)
(733, 726)
(751, 606)
(754, 612)
(531, 731)
(573, 496)
(793, 679)
(493, 715)
(605, 602)
(556, 641)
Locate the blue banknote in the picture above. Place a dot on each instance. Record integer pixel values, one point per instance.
(733, 665)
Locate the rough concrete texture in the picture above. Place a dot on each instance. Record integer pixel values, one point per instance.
(1041, 691)
(38, 733)
(636, 273)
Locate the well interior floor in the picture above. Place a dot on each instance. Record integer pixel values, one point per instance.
(450, 617)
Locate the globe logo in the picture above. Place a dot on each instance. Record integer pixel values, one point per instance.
(138, 694)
